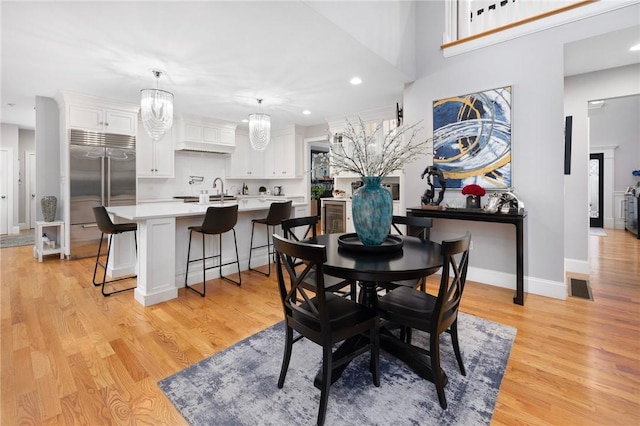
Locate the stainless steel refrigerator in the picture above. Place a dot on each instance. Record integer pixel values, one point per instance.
(102, 172)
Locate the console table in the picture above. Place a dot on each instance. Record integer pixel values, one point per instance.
(479, 215)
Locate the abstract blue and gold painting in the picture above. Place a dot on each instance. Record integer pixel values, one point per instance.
(472, 135)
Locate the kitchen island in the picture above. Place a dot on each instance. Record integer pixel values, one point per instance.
(163, 239)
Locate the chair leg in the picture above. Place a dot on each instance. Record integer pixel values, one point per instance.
(374, 363)
(326, 382)
(237, 262)
(456, 346)
(95, 268)
(204, 271)
(186, 275)
(286, 357)
(251, 248)
(438, 379)
(104, 275)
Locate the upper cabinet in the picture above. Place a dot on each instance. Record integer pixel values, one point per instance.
(102, 120)
(195, 133)
(245, 162)
(97, 115)
(281, 160)
(283, 156)
(155, 159)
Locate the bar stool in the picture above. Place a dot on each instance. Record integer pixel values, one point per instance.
(277, 213)
(106, 226)
(217, 221)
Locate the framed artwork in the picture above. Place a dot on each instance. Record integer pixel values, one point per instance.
(472, 139)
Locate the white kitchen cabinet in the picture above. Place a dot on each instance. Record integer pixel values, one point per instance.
(155, 159)
(98, 119)
(207, 133)
(283, 156)
(245, 162)
(349, 227)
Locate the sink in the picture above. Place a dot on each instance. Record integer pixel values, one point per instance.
(195, 199)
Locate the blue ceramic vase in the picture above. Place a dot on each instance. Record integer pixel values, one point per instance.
(372, 209)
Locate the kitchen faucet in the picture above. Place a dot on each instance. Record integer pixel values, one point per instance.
(221, 188)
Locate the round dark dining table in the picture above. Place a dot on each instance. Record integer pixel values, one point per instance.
(416, 259)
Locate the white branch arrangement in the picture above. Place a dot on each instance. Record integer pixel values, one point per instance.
(360, 153)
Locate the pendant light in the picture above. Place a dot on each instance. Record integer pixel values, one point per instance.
(156, 109)
(259, 129)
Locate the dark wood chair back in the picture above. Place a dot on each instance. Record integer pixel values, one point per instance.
(289, 226)
(320, 315)
(455, 262)
(415, 226)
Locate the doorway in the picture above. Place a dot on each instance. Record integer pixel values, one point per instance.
(596, 190)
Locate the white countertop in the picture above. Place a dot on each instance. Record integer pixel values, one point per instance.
(172, 209)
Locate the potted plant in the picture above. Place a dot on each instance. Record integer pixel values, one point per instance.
(262, 190)
(317, 191)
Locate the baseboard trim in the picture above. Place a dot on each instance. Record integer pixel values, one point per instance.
(541, 287)
(576, 266)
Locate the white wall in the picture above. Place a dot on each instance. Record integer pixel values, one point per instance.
(26, 142)
(534, 66)
(579, 90)
(48, 154)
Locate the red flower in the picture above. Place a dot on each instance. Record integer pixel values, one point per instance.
(473, 189)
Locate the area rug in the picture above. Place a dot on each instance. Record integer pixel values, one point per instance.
(22, 239)
(238, 386)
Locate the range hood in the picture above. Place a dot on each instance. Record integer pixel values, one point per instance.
(213, 148)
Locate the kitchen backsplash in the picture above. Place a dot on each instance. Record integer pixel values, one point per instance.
(186, 164)
(209, 167)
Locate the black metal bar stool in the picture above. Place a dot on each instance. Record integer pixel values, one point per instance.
(106, 226)
(217, 221)
(277, 213)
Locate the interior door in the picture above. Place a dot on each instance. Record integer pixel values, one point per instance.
(596, 190)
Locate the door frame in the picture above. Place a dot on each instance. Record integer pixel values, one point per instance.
(9, 179)
(597, 222)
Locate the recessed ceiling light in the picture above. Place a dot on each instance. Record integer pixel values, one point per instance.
(635, 48)
(245, 120)
(355, 81)
(306, 112)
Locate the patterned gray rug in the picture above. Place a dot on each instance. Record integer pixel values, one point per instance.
(22, 239)
(238, 386)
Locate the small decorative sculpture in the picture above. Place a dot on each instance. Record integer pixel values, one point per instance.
(429, 194)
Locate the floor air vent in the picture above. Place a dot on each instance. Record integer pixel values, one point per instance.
(580, 288)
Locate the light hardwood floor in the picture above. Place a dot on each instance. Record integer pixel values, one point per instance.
(71, 356)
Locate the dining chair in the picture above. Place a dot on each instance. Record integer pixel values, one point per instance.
(277, 213)
(217, 221)
(414, 226)
(107, 227)
(418, 310)
(308, 224)
(320, 316)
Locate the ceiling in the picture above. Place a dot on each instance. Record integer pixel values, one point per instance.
(219, 57)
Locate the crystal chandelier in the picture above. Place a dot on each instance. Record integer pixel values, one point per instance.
(259, 129)
(156, 109)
